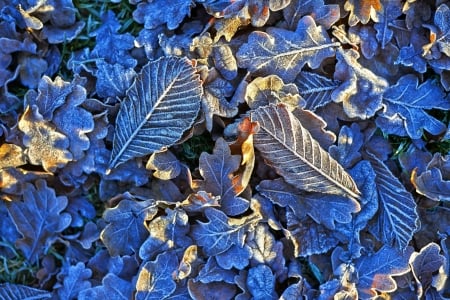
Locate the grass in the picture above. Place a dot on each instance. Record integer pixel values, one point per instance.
(16, 269)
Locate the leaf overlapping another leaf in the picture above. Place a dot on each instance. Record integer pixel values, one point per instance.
(161, 104)
(289, 148)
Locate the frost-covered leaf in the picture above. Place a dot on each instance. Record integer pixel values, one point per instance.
(45, 146)
(74, 279)
(202, 291)
(290, 149)
(112, 287)
(391, 11)
(219, 234)
(218, 170)
(404, 108)
(441, 17)
(376, 271)
(158, 12)
(324, 14)
(397, 219)
(113, 79)
(235, 257)
(11, 156)
(49, 96)
(161, 104)
(424, 264)
(434, 182)
(284, 53)
(227, 27)
(111, 46)
(261, 283)
(125, 231)
(315, 90)
(165, 164)
(363, 10)
(155, 279)
(212, 272)
(225, 61)
(307, 236)
(271, 89)
(323, 209)
(38, 218)
(165, 233)
(9, 291)
(214, 100)
(350, 142)
(361, 90)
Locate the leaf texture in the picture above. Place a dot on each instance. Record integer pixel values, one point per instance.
(315, 89)
(398, 218)
(10, 291)
(289, 148)
(161, 104)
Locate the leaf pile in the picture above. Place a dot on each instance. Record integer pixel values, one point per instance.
(323, 169)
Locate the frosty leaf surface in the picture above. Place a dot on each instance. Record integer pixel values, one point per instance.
(376, 271)
(45, 145)
(165, 164)
(424, 264)
(11, 156)
(261, 283)
(287, 146)
(75, 279)
(155, 278)
(405, 104)
(218, 170)
(212, 272)
(125, 230)
(434, 181)
(113, 79)
(350, 142)
(9, 291)
(315, 89)
(284, 53)
(161, 104)
(159, 12)
(360, 90)
(112, 287)
(38, 218)
(397, 216)
(362, 10)
(324, 14)
(218, 234)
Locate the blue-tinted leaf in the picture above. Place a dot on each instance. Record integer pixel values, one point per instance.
(294, 291)
(219, 234)
(112, 288)
(125, 231)
(38, 218)
(113, 79)
(324, 14)
(349, 143)
(31, 68)
(441, 17)
(74, 280)
(322, 208)
(315, 89)
(208, 291)
(218, 169)
(155, 278)
(424, 264)
(284, 53)
(165, 164)
(158, 12)
(397, 216)
(162, 103)
(307, 236)
(405, 104)
(289, 147)
(166, 232)
(10, 291)
(434, 182)
(376, 271)
(391, 11)
(58, 35)
(111, 46)
(365, 37)
(261, 283)
(410, 56)
(235, 257)
(212, 272)
(414, 159)
(361, 90)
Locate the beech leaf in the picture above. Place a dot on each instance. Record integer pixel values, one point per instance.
(287, 146)
(162, 103)
(10, 291)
